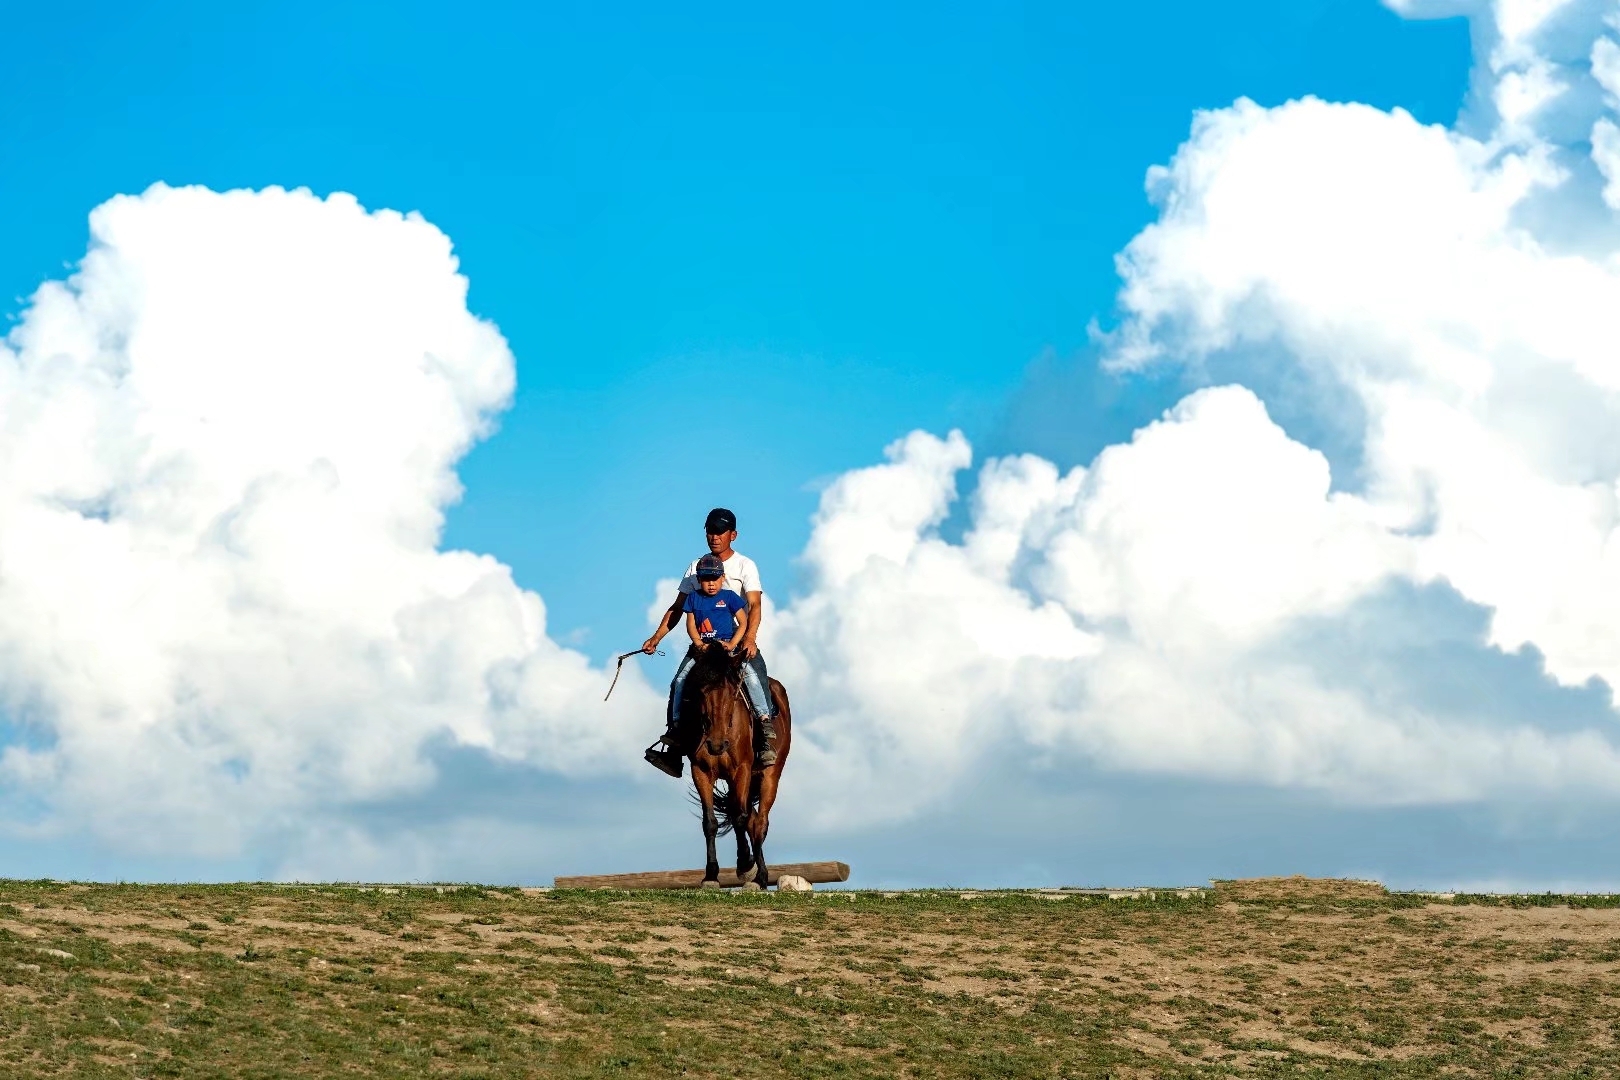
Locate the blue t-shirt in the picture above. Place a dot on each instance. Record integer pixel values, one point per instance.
(714, 613)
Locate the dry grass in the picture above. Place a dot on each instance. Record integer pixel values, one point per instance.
(1276, 980)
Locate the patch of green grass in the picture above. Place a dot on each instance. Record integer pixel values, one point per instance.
(476, 982)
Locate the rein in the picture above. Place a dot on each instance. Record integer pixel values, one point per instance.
(620, 667)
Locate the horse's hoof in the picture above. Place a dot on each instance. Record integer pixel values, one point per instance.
(750, 886)
(709, 884)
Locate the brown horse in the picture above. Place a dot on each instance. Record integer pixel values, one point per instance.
(718, 738)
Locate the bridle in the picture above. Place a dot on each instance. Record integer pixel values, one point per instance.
(732, 677)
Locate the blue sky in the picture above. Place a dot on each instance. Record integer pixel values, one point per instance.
(837, 227)
(736, 253)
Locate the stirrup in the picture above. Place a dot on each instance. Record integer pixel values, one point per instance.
(665, 761)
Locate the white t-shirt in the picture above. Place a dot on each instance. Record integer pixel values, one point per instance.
(742, 576)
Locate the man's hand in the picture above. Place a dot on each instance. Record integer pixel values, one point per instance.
(650, 646)
(750, 650)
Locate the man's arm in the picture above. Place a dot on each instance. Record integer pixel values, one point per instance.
(666, 624)
(740, 617)
(756, 615)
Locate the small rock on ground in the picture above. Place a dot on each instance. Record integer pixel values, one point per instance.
(793, 883)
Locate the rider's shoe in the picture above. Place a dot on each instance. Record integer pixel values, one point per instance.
(767, 742)
(666, 761)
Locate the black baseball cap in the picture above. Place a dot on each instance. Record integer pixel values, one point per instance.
(710, 567)
(719, 520)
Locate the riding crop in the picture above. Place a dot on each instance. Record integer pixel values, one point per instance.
(620, 666)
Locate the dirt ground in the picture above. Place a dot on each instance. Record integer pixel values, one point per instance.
(1272, 978)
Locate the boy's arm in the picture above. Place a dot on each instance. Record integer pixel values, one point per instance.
(692, 631)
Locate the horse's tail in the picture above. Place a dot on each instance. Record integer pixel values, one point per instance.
(727, 810)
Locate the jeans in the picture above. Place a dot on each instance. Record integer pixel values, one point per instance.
(755, 681)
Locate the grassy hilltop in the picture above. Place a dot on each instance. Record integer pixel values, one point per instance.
(266, 981)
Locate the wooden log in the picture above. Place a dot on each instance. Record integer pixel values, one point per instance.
(817, 873)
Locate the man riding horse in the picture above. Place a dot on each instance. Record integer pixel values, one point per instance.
(742, 578)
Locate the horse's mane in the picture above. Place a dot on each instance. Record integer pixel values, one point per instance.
(713, 665)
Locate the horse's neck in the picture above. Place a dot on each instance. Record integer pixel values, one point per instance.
(713, 683)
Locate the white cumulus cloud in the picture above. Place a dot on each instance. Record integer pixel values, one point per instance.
(1139, 615)
(1182, 605)
(226, 446)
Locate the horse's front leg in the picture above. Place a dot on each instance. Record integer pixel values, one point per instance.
(711, 827)
(759, 821)
(740, 816)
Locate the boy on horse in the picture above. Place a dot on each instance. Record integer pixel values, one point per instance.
(714, 613)
(741, 578)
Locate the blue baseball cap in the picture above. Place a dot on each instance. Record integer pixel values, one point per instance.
(710, 567)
